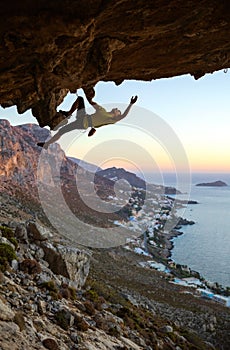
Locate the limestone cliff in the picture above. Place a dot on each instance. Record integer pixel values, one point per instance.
(50, 47)
(21, 172)
(19, 153)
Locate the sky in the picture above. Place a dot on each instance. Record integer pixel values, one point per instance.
(176, 123)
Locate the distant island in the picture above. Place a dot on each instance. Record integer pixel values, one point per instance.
(213, 184)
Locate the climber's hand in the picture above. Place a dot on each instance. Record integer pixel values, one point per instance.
(133, 99)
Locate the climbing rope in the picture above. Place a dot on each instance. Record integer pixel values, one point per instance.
(226, 70)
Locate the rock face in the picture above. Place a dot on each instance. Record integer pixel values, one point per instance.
(37, 232)
(21, 173)
(6, 314)
(71, 263)
(49, 48)
(213, 184)
(19, 156)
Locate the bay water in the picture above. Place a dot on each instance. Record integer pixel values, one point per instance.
(204, 246)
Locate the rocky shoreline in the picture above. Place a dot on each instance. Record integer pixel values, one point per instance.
(158, 241)
(176, 233)
(169, 242)
(169, 239)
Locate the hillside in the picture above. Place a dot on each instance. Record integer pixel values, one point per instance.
(64, 284)
(23, 167)
(116, 174)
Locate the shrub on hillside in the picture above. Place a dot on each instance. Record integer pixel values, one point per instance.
(7, 254)
(80, 324)
(89, 307)
(53, 290)
(8, 233)
(30, 266)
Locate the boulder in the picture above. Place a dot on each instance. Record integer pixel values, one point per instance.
(41, 307)
(21, 232)
(64, 318)
(6, 314)
(50, 343)
(37, 232)
(167, 329)
(14, 264)
(68, 262)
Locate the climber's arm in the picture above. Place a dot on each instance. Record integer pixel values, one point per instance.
(90, 93)
(123, 115)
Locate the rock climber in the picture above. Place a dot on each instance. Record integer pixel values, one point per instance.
(100, 118)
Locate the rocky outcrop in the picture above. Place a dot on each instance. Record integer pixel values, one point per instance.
(68, 262)
(49, 48)
(6, 314)
(37, 232)
(184, 222)
(19, 152)
(19, 159)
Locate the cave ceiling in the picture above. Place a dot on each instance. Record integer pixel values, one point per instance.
(49, 48)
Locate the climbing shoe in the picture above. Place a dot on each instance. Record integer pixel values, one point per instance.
(66, 114)
(42, 144)
(92, 132)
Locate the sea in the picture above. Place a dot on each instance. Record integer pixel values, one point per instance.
(204, 246)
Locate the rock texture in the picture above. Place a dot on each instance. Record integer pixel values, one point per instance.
(69, 262)
(41, 310)
(49, 48)
(19, 156)
(6, 314)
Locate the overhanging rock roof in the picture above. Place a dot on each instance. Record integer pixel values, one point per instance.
(50, 47)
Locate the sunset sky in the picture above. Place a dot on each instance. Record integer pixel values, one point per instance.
(195, 113)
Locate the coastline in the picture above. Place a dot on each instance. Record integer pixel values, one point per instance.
(156, 241)
(214, 286)
(169, 242)
(209, 239)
